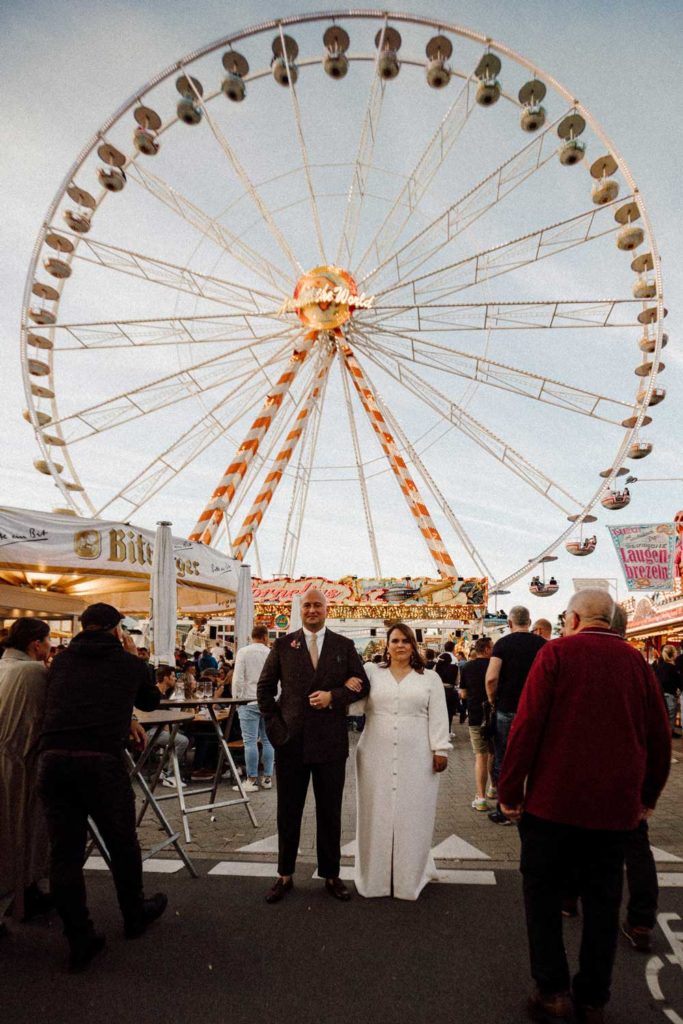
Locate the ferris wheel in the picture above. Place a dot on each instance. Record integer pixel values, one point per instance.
(372, 256)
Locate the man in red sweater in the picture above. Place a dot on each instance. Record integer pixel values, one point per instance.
(592, 743)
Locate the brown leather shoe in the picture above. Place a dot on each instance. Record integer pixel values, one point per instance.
(556, 1007)
(279, 890)
(336, 888)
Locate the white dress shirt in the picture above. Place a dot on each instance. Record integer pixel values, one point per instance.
(249, 661)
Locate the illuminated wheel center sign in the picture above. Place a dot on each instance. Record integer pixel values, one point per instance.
(325, 298)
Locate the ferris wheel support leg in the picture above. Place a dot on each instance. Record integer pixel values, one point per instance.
(257, 511)
(371, 404)
(210, 519)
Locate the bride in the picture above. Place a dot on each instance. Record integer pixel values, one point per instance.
(403, 748)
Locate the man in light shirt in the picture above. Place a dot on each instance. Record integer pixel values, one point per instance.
(248, 665)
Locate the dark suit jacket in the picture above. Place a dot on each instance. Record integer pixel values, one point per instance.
(323, 731)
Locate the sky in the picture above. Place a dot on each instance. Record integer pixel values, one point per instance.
(69, 65)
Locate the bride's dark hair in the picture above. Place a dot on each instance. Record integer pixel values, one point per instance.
(416, 659)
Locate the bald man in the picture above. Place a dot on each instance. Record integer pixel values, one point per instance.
(543, 628)
(587, 758)
(307, 727)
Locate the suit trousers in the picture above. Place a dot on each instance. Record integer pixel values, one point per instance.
(549, 850)
(75, 785)
(293, 776)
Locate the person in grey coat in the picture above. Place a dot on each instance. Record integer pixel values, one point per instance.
(23, 832)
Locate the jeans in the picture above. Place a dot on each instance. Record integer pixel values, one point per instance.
(641, 875)
(181, 743)
(504, 720)
(549, 852)
(73, 786)
(254, 729)
(672, 707)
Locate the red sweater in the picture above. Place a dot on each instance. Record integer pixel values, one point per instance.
(591, 735)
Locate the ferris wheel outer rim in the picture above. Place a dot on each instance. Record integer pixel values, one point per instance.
(277, 24)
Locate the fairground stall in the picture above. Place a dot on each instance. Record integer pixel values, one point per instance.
(53, 565)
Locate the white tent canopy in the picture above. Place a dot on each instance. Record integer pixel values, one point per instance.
(57, 564)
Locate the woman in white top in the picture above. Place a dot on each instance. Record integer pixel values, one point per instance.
(403, 749)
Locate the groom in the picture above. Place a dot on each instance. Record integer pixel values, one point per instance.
(307, 727)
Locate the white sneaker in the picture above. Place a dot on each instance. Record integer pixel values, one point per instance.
(266, 782)
(169, 781)
(491, 793)
(248, 787)
(480, 804)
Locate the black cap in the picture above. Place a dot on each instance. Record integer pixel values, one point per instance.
(101, 616)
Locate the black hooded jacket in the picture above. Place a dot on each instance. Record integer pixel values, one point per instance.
(91, 690)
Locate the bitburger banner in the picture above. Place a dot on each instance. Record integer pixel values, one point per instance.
(646, 552)
(44, 542)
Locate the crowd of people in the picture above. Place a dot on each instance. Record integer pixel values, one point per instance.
(548, 720)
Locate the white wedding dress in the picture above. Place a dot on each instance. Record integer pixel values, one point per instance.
(396, 786)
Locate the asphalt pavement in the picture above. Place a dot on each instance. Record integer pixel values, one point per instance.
(221, 954)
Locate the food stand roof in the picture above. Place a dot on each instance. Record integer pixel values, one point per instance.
(55, 565)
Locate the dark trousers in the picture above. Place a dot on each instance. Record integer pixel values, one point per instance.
(74, 786)
(641, 875)
(293, 776)
(548, 852)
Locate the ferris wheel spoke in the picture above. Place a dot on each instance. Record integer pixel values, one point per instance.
(361, 167)
(301, 487)
(374, 407)
(424, 171)
(211, 228)
(476, 203)
(515, 254)
(438, 496)
(163, 392)
(362, 481)
(223, 329)
(555, 314)
(304, 150)
(180, 279)
(247, 183)
(283, 457)
(445, 359)
(192, 443)
(231, 482)
(486, 439)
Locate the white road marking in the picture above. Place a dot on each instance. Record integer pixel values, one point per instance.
(466, 877)
(267, 845)
(244, 867)
(662, 855)
(455, 848)
(345, 873)
(155, 865)
(351, 849)
(654, 966)
(670, 879)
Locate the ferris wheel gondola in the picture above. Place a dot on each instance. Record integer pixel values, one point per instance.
(539, 586)
(582, 546)
(423, 274)
(614, 500)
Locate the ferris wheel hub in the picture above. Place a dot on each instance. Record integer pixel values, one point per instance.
(325, 298)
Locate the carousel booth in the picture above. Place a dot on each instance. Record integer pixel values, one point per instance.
(54, 565)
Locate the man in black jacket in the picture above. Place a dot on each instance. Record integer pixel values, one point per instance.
(307, 727)
(92, 688)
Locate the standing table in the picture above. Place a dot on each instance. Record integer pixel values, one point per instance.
(159, 720)
(222, 726)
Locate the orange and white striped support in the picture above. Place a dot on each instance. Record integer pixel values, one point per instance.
(437, 548)
(210, 519)
(257, 511)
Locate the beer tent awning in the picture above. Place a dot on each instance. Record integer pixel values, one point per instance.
(55, 565)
